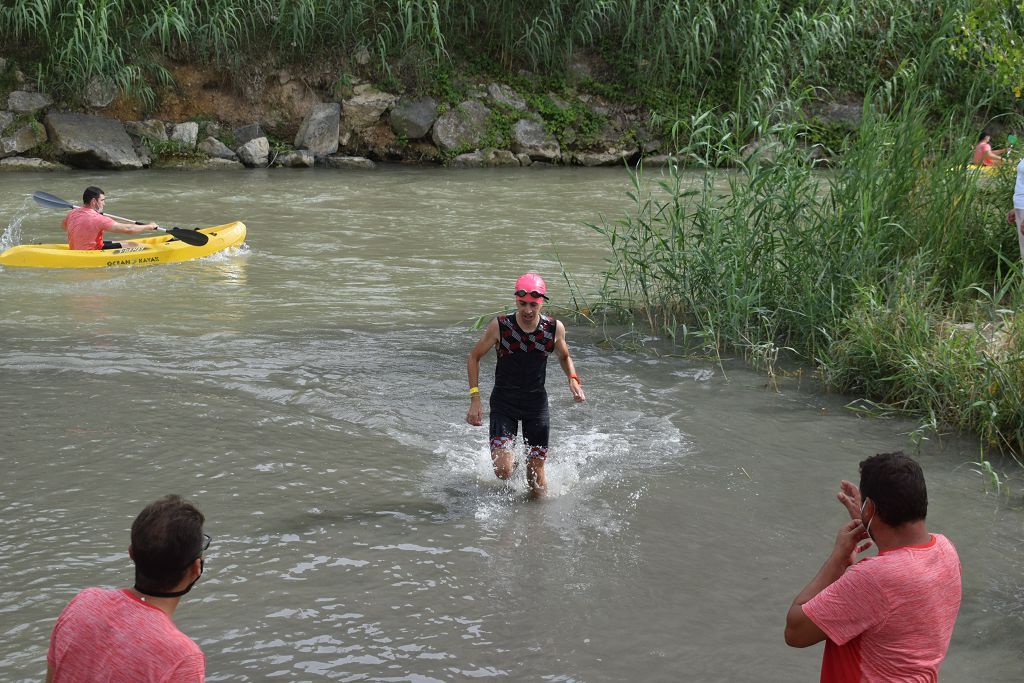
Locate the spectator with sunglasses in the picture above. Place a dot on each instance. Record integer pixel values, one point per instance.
(523, 341)
(127, 634)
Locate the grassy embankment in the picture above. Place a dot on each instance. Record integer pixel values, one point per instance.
(895, 274)
(892, 273)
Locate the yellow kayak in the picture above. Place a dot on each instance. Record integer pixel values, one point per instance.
(162, 249)
(982, 170)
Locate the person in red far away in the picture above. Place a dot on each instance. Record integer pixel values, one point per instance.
(984, 155)
(889, 617)
(86, 224)
(523, 342)
(126, 635)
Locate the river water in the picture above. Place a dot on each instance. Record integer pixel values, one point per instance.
(308, 391)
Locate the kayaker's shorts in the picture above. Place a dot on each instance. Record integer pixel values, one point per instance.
(535, 433)
(111, 245)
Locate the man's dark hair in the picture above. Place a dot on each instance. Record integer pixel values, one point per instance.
(895, 483)
(166, 538)
(91, 193)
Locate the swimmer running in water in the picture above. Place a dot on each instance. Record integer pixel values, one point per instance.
(523, 342)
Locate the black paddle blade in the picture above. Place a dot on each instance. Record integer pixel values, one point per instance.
(193, 237)
(50, 201)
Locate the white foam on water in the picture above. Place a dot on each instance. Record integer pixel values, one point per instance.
(11, 235)
(595, 475)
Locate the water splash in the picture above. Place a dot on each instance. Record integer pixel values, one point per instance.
(11, 235)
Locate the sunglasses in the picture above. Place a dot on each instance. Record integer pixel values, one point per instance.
(206, 544)
(533, 294)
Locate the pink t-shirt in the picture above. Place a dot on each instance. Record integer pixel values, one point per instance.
(85, 228)
(981, 154)
(112, 636)
(890, 617)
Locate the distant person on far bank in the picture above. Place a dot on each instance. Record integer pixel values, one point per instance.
(984, 155)
(523, 342)
(126, 635)
(889, 617)
(86, 224)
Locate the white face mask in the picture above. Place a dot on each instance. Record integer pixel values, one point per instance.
(867, 528)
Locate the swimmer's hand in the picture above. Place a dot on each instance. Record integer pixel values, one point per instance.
(577, 390)
(475, 415)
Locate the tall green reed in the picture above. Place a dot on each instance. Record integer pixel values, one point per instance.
(892, 273)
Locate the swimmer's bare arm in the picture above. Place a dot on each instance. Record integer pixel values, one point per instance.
(565, 360)
(475, 415)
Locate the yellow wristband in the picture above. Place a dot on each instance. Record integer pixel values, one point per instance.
(474, 390)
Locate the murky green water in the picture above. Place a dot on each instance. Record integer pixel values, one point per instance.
(308, 393)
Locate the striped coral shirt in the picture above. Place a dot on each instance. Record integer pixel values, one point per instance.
(890, 617)
(113, 636)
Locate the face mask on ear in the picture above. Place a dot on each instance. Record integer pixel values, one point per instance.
(867, 528)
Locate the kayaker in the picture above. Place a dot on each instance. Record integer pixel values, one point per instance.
(984, 155)
(523, 341)
(127, 634)
(888, 617)
(86, 224)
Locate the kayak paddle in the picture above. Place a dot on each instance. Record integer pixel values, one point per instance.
(193, 237)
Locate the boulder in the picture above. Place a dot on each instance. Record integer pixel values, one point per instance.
(215, 149)
(216, 164)
(254, 153)
(23, 102)
(762, 151)
(150, 129)
(319, 130)
(524, 159)
(100, 92)
(462, 126)
(366, 106)
(503, 94)
(341, 161)
(299, 158)
(186, 133)
(6, 119)
(88, 141)
(608, 158)
(29, 164)
(660, 160)
(845, 115)
(244, 134)
(485, 158)
(530, 137)
(24, 138)
(412, 118)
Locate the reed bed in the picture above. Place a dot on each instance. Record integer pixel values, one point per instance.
(737, 54)
(894, 274)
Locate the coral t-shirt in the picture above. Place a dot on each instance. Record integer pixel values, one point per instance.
(890, 617)
(85, 228)
(113, 636)
(981, 154)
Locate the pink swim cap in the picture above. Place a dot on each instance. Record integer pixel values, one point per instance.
(531, 287)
